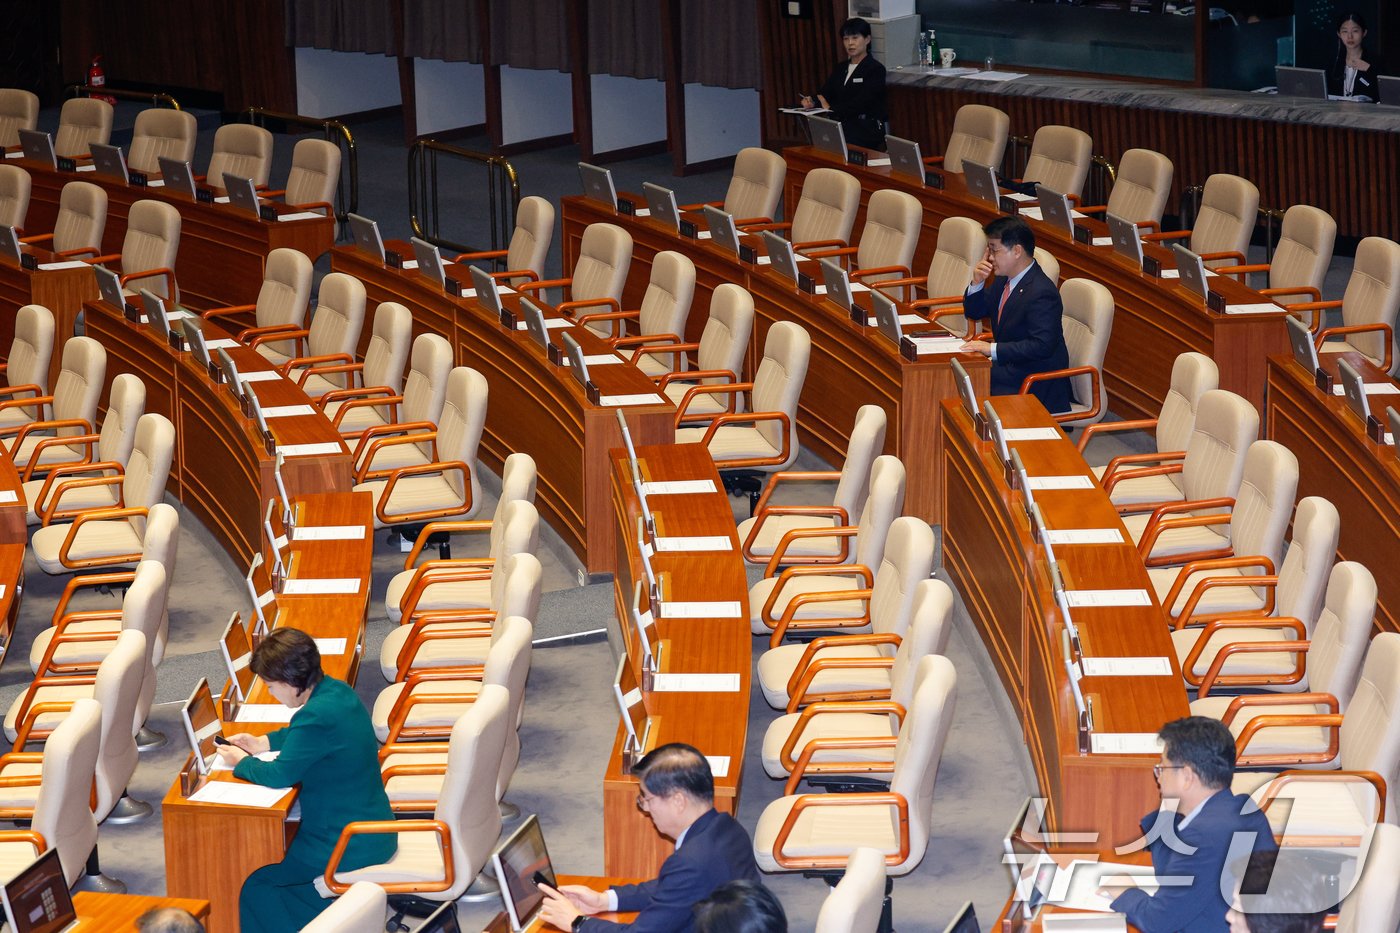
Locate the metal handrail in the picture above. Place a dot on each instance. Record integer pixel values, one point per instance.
(1272, 219)
(1103, 175)
(502, 185)
(347, 189)
(155, 97)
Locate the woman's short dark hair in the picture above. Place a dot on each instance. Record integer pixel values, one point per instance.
(1012, 231)
(740, 907)
(288, 656)
(1283, 893)
(1205, 744)
(676, 766)
(855, 26)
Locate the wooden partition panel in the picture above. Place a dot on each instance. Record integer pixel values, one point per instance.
(798, 55)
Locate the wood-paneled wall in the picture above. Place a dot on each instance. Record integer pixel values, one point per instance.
(798, 54)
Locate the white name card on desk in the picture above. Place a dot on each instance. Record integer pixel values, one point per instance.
(694, 543)
(260, 375)
(596, 359)
(288, 411)
(302, 215)
(1102, 241)
(685, 487)
(330, 646)
(56, 266)
(703, 235)
(1101, 598)
(642, 212)
(1125, 743)
(1034, 213)
(1061, 482)
(328, 586)
(408, 264)
(906, 320)
(222, 343)
(554, 323)
(876, 163)
(926, 345)
(1372, 388)
(9, 495)
(764, 261)
(621, 401)
(727, 609)
(1176, 273)
(1030, 434)
(264, 712)
(88, 167)
(1127, 667)
(17, 154)
(1085, 536)
(328, 533)
(854, 286)
(1258, 307)
(1018, 196)
(719, 765)
(238, 794)
(695, 683)
(222, 199)
(309, 450)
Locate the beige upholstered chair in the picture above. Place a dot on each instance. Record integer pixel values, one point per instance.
(1338, 807)
(104, 537)
(755, 187)
(1087, 324)
(1048, 264)
(61, 817)
(149, 249)
(332, 337)
(380, 376)
(1193, 374)
(1293, 604)
(1229, 211)
(438, 858)
(600, 273)
(854, 904)
(665, 306)
(961, 246)
(160, 132)
(361, 909)
(979, 135)
(1301, 257)
(82, 218)
(529, 244)
(19, 110)
(15, 185)
(82, 122)
(314, 176)
(770, 597)
(765, 436)
(1369, 305)
(418, 407)
(719, 355)
(819, 831)
(39, 445)
(893, 221)
(27, 369)
(1374, 902)
(1059, 159)
(763, 534)
(1140, 191)
(281, 304)
(243, 150)
(825, 212)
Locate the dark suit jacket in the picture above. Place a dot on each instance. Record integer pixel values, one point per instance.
(1200, 906)
(716, 850)
(859, 104)
(1028, 335)
(1367, 82)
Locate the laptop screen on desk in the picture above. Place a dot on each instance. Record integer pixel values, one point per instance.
(517, 861)
(486, 291)
(109, 161)
(1354, 388)
(780, 255)
(1127, 241)
(37, 899)
(201, 720)
(109, 286)
(1301, 339)
(598, 184)
(1390, 90)
(1301, 82)
(366, 234)
(982, 182)
(442, 920)
(429, 259)
(886, 317)
(242, 193)
(1055, 209)
(178, 175)
(905, 158)
(9, 244)
(721, 226)
(662, 204)
(827, 136)
(838, 285)
(1191, 269)
(38, 147)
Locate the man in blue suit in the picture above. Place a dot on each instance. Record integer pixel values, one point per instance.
(677, 792)
(1204, 842)
(1023, 305)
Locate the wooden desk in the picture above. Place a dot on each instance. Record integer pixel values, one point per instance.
(14, 539)
(715, 723)
(1336, 460)
(1010, 919)
(1000, 570)
(62, 291)
(117, 913)
(535, 407)
(501, 924)
(1154, 320)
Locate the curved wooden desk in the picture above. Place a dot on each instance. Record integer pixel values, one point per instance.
(14, 540)
(999, 568)
(1336, 460)
(61, 290)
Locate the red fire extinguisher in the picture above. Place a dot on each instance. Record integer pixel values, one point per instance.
(97, 77)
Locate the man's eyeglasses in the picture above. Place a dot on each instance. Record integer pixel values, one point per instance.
(644, 800)
(1156, 770)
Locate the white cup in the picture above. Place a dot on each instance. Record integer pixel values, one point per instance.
(946, 57)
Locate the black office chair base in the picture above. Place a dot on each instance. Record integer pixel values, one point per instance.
(740, 483)
(833, 878)
(128, 810)
(410, 533)
(149, 739)
(407, 905)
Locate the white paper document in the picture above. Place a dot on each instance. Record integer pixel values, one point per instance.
(330, 646)
(222, 343)
(1372, 388)
(1102, 598)
(927, 345)
(217, 762)
(264, 712)
(260, 375)
(695, 543)
(1260, 307)
(620, 401)
(1125, 743)
(554, 323)
(241, 795)
(719, 765)
(717, 610)
(1102, 241)
(309, 450)
(1062, 482)
(995, 75)
(1176, 273)
(1030, 434)
(1034, 213)
(1080, 922)
(328, 533)
(687, 487)
(695, 683)
(597, 359)
(1127, 667)
(345, 586)
(301, 215)
(905, 320)
(1086, 877)
(1019, 197)
(10, 495)
(55, 266)
(288, 411)
(1085, 536)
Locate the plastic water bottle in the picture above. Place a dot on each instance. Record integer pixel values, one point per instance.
(923, 49)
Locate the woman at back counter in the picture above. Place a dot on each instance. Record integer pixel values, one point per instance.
(855, 92)
(1354, 70)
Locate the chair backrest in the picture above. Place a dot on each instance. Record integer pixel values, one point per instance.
(1087, 323)
(778, 382)
(1193, 374)
(1264, 503)
(459, 427)
(1048, 264)
(756, 185)
(285, 291)
(893, 221)
(1303, 251)
(144, 609)
(906, 560)
(1059, 159)
(930, 626)
(725, 338)
(117, 687)
(882, 506)
(1371, 725)
(867, 440)
(1229, 211)
(1226, 425)
(979, 135)
(359, 910)
(666, 302)
(827, 208)
(518, 479)
(61, 809)
(604, 256)
(854, 905)
(961, 246)
(467, 801)
(1374, 902)
(81, 122)
(529, 243)
(1140, 191)
(387, 351)
(1342, 632)
(1302, 576)
(425, 390)
(82, 217)
(158, 132)
(15, 185)
(919, 748)
(32, 349)
(152, 242)
(126, 406)
(240, 149)
(162, 542)
(508, 665)
(80, 380)
(340, 314)
(143, 484)
(516, 530)
(19, 110)
(315, 172)
(518, 593)
(1372, 295)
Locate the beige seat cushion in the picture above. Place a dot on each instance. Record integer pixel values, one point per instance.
(399, 455)
(826, 726)
(419, 858)
(824, 831)
(775, 667)
(1142, 489)
(94, 539)
(470, 594)
(82, 652)
(1183, 640)
(730, 442)
(357, 419)
(442, 652)
(45, 695)
(437, 714)
(699, 405)
(1175, 541)
(1216, 600)
(414, 786)
(816, 583)
(1324, 808)
(17, 797)
(88, 497)
(413, 494)
(1284, 740)
(778, 525)
(15, 857)
(316, 385)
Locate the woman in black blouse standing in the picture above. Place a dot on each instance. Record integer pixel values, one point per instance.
(1354, 70)
(855, 92)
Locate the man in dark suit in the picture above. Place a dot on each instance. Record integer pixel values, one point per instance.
(1203, 841)
(677, 792)
(1009, 288)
